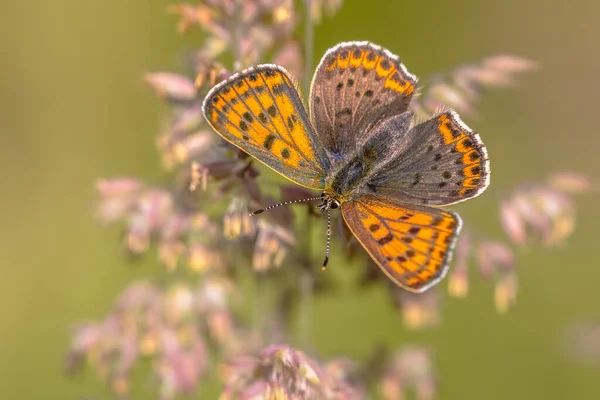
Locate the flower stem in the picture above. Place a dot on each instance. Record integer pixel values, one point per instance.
(309, 33)
(307, 280)
(237, 36)
(260, 306)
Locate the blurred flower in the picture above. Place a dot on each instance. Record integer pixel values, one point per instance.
(214, 299)
(171, 86)
(271, 245)
(161, 324)
(410, 369)
(191, 146)
(247, 29)
(570, 182)
(215, 293)
(505, 292)
(158, 215)
(178, 146)
(496, 260)
(169, 253)
(288, 56)
(280, 372)
(189, 16)
(538, 214)
(199, 176)
(237, 222)
(209, 73)
(344, 370)
(419, 310)
(117, 197)
(182, 365)
(463, 86)
(202, 258)
(151, 210)
(582, 342)
(458, 280)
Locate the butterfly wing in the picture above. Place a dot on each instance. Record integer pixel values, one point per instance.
(441, 161)
(356, 85)
(260, 111)
(412, 244)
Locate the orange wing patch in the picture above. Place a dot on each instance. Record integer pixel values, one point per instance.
(260, 111)
(411, 244)
(475, 169)
(385, 64)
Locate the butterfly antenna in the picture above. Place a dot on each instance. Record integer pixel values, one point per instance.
(328, 239)
(262, 210)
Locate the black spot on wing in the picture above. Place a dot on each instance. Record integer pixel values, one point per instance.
(386, 239)
(269, 140)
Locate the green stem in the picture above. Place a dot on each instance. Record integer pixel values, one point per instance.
(306, 280)
(309, 33)
(304, 323)
(237, 36)
(260, 305)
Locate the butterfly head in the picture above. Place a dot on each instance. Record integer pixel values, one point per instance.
(329, 202)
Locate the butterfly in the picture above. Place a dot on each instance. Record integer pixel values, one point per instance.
(361, 148)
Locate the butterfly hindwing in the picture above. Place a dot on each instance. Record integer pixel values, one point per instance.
(356, 85)
(442, 161)
(260, 111)
(412, 244)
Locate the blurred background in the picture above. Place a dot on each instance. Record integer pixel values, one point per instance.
(74, 108)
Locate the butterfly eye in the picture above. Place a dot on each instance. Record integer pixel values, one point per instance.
(334, 204)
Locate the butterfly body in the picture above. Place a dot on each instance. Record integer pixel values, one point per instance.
(361, 148)
(352, 176)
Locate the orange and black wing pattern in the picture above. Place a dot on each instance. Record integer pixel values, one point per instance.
(442, 162)
(356, 86)
(412, 244)
(260, 111)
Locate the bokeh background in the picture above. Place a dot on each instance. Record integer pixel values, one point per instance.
(73, 108)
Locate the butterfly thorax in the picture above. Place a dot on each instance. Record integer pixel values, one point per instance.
(346, 182)
(351, 174)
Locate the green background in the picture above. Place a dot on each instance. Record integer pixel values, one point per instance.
(73, 108)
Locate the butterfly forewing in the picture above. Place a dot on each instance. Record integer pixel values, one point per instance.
(356, 86)
(412, 244)
(260, 111)
(441, 162)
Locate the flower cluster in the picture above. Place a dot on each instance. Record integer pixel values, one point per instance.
(409, 370)
(171, 327)
(246, 29)
(281, 372)
(462, 87)
(418, 310)
(155, 215)
(541, 214)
